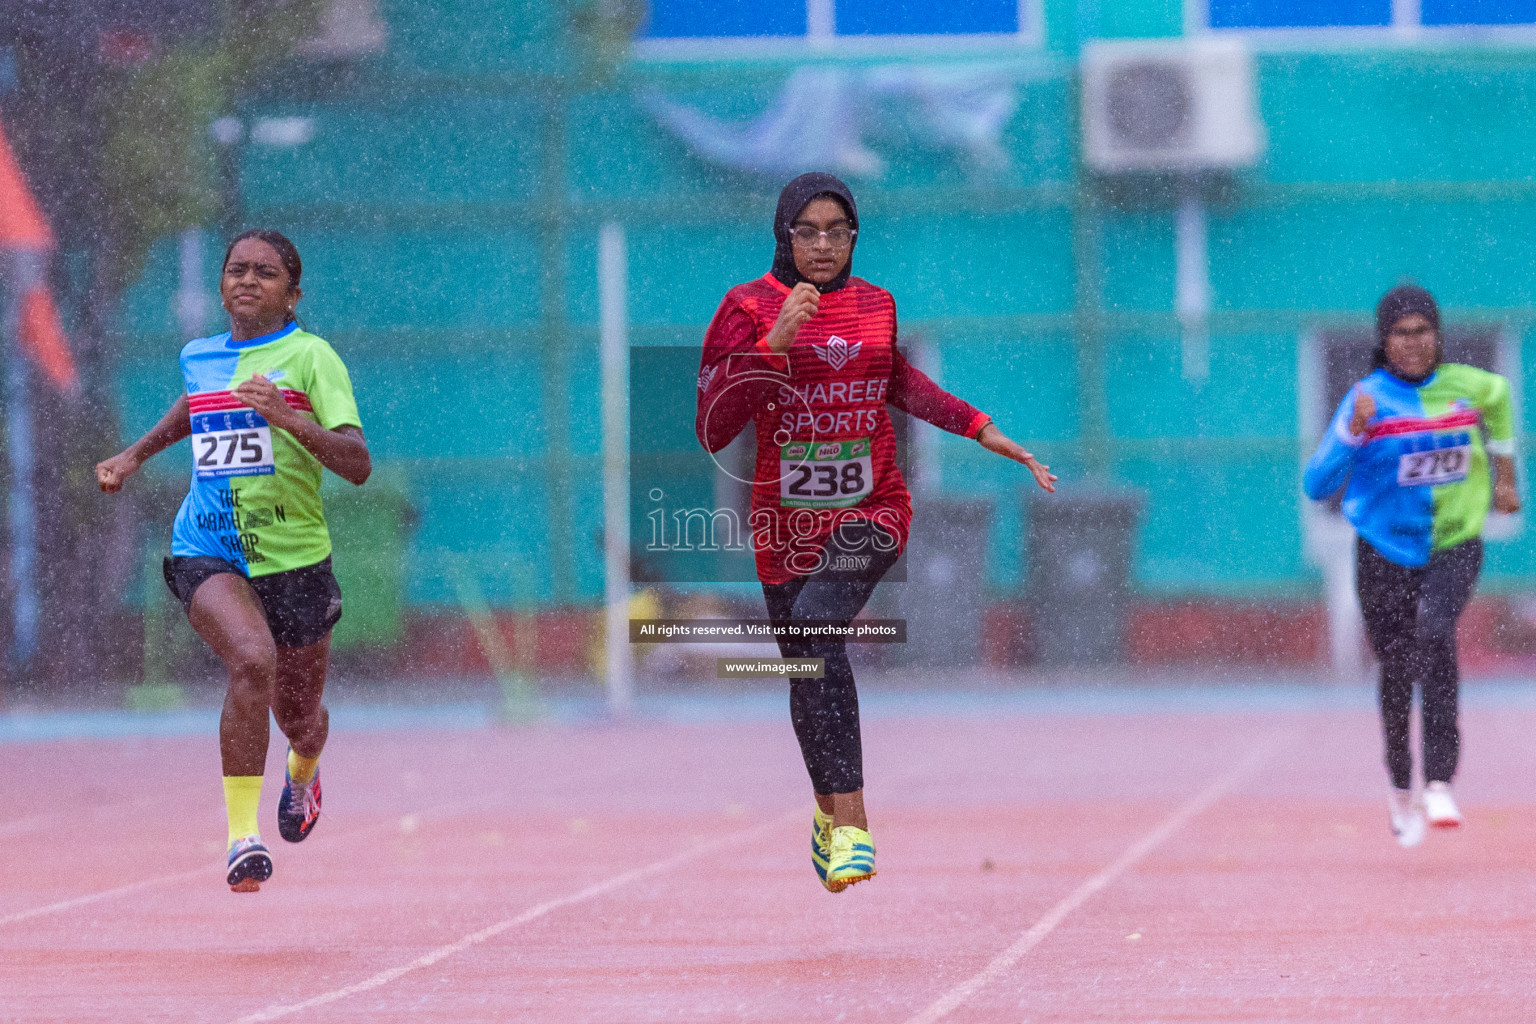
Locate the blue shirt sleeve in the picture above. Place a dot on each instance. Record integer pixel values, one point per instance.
(1329, 466)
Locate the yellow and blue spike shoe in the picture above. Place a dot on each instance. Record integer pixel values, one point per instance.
(852, 858)
(249, 864)
(821, 843)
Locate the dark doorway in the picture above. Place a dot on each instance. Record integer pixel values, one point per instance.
(1346, 358)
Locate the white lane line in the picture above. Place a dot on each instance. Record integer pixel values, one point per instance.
(21, 826)
(349, 830)
(1138, 850)
(36, 821)
(279, 1010)
(122, 890)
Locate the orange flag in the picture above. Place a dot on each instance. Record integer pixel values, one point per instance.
(22, 225)
(23, 228)
(42, 338)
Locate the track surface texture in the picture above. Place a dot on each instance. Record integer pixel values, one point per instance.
(1145, 862)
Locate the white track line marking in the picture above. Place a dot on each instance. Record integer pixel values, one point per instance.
(122, 890)
(21, 826)
(346, 831)
(1138, 850)
(36, 821)
(278, 1010)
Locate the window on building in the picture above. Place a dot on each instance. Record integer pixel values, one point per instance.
(1299, 13)
(684, 19)
(1477, 12)
(924, 17)
(1272, 14)
(714, 19)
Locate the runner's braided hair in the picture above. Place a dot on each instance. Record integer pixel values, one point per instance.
(287, 254)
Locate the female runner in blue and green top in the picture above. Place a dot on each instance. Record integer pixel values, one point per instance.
(267, 405)
(1411, 444)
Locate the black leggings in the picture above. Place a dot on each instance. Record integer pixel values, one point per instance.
(1410, 616)
(825, 711)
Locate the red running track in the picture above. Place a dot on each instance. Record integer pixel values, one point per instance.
(1127, 867)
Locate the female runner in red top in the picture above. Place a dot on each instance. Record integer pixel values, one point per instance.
(808, 354)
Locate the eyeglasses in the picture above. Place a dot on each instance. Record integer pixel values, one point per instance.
(837, 238)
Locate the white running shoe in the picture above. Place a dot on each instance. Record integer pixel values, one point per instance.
(1440, 807)
(1406, 817)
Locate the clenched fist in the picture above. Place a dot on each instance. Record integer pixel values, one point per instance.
(797, 309)
(110, 473)
(1365, 411)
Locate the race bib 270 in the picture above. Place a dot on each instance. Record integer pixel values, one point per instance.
(1437, 466)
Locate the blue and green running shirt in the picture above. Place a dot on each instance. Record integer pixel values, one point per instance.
(255, 497)
(1418, 477)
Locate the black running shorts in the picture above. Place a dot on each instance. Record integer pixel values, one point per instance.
(301, 605)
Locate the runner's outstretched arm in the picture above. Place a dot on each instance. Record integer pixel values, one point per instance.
(175, 425)
(343, 450)
(914, 392)
(995, 441)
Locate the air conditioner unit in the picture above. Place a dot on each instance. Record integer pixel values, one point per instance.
(1185, 105)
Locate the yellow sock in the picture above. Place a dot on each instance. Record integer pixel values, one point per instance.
(301, 769)
(242, 795)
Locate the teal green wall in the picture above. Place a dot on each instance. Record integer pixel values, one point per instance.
(1146, 19)
(420, 203)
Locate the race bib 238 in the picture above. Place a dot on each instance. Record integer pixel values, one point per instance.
(825, 474)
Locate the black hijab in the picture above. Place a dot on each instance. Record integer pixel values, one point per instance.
(1404, 300)
(797, 195)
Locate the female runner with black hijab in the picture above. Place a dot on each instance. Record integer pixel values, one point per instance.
(808, 354)
(1412, 445)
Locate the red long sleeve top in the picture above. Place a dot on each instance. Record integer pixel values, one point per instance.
(825, 448)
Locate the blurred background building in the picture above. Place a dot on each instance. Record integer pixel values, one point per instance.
(1145, 235)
